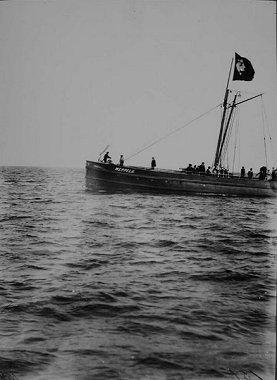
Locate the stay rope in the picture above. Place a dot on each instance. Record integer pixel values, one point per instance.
(226, 145)
(236, 142)
(172, 132)
(265, 126)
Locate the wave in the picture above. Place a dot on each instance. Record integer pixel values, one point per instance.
(87, 264)
(20, 362)
(200, 336)
(165, 243)
(142, 329)
(158, 361)
(13, 217)
(226, 276)
(102, 309)
(37, 309)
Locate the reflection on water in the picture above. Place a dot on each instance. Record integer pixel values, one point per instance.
(133, 286)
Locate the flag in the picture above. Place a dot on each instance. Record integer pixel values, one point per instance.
(243, 69)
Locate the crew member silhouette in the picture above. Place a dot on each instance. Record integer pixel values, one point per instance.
(153, 163)
(121, 160)
(106, 157)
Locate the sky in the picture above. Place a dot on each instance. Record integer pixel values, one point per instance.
(79, 75)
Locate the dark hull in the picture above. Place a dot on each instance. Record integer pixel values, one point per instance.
(131, 178)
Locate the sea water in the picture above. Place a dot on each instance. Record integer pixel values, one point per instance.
(100, 285)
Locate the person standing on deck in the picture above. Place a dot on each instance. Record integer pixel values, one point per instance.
(274, 174)
(262, 174)
(189, 169)
(250, 174)
(106, 157)
(208, 171)
(201, 168)
(242, 172)
(121, 160)
(153, 163)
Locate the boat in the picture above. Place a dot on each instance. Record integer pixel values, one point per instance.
(108, 176)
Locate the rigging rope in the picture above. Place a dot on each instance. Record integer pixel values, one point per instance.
(265, 117)
(236, 140)
(266, 124)
(264, 135)
(104, 150)
(226, 145)
(172, 132)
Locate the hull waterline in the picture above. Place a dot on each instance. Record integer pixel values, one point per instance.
(111, 177)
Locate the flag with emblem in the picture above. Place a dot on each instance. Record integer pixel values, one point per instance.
(243, 69)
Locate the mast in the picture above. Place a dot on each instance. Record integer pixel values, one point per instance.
(227, 127)
(217, 154)
(232, 106)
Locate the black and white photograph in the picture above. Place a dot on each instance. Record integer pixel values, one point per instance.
(138, 189)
